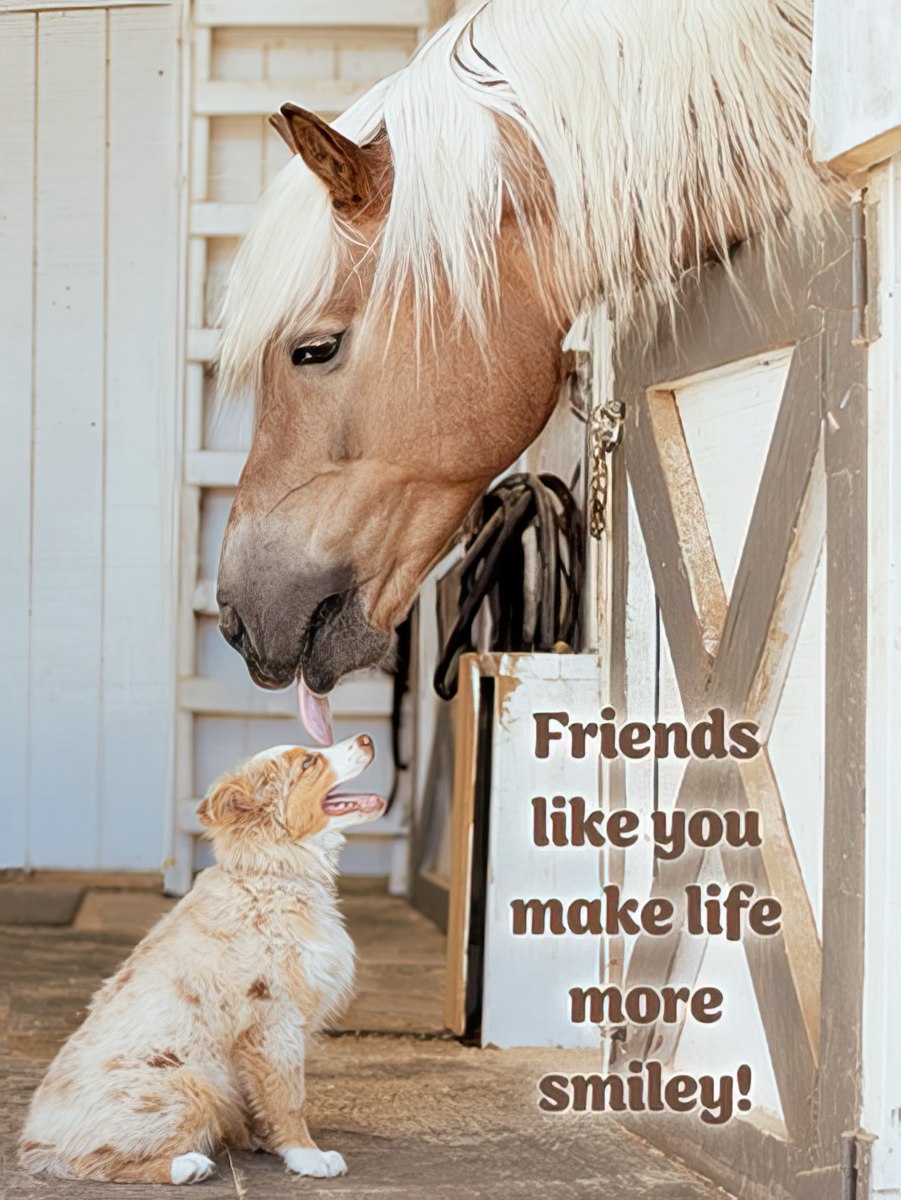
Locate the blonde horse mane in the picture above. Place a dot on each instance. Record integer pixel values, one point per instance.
(630, 140)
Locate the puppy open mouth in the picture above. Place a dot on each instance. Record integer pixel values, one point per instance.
(338, 804)
(347, 760)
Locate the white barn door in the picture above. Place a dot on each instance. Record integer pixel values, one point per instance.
(88, 379)
(740, 582)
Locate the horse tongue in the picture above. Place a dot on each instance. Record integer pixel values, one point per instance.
(315, 714)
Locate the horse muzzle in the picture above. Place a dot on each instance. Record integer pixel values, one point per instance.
(263, 671)
(335, 639)
(341, 640)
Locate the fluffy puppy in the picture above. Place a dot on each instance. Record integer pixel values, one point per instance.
(198, 1041)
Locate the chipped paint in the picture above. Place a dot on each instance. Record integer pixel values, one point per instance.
(506, 687)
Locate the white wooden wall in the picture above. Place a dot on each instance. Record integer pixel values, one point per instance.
(855, 103)
(88, 320)
(246, 60)
(882, 964)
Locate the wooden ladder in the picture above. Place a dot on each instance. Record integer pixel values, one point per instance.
(387, 30)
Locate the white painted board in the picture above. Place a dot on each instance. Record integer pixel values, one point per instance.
(856, 84)
(88, 336)
(17, 93)
(527, 978)
(140, 465)
(67, 533)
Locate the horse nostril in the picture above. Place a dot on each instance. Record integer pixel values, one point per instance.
(231, 626)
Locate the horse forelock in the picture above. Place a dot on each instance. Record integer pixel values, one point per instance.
(287, 265)
(627, 142)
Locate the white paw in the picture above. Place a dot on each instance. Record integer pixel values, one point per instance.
(322, 1164)
(191, 1168)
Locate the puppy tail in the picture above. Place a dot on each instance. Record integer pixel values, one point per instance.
(40, 1158)
(104, 1166)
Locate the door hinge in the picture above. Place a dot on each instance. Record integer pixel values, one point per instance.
(856, 1149)
(860, 333)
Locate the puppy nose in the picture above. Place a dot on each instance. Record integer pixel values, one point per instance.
(365, 741)
(231, 626)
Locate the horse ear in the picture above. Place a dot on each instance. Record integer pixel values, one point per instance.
(341, 164)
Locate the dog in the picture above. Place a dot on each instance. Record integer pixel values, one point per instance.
(197, 1042)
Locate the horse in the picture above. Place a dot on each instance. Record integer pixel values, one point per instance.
(397, 306)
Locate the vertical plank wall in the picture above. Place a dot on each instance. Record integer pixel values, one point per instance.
(88, 321)
(17, 89)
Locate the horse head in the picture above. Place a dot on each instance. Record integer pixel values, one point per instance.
(373, 437)
(398, 304)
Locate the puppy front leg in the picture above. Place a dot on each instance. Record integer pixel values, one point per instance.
(275, 1094)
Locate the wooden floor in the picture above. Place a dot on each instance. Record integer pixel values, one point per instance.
(400, 967)
(401, 971)
(417, 1115)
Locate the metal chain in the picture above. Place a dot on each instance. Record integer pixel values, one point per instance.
(605, 433)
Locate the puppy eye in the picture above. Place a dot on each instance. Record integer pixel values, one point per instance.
(308, 762)
(320, 351)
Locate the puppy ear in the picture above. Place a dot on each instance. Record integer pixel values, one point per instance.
(227, 800)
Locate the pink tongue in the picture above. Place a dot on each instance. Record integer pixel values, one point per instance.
(315, 714)
(339, 803)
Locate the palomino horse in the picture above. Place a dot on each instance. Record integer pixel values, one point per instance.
(398, 304)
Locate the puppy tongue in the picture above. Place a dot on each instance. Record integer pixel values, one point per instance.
(315, 714)
(352, 802)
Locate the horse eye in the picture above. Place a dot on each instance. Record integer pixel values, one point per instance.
(317, 352)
